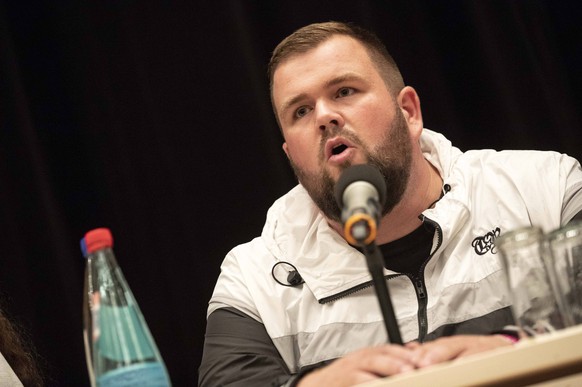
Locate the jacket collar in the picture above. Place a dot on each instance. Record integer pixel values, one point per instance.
(297, 232)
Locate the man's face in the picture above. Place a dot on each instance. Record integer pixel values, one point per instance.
(335, 110)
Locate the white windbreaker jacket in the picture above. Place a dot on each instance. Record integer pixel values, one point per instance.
(336, 310)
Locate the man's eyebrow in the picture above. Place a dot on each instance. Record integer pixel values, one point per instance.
(342, 78)
(290, 102)
(331, 82)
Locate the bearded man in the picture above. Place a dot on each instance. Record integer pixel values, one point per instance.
(296, 306)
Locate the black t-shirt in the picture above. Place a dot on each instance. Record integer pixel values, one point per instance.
(407, 254)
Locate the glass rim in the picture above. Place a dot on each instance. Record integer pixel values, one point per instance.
(569, 232)
(520, 236)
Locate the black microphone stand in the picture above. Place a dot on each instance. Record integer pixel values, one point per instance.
(375, 263)
(360, 193)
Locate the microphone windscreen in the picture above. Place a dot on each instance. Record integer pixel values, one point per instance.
(360, 172)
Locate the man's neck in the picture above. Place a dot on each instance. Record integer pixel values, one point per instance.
(424, 189)
(422, 192)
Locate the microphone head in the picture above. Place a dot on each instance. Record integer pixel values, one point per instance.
(360, 172)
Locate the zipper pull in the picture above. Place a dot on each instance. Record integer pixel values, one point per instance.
(420, 288)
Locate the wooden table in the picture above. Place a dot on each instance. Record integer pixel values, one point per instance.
(549, 360)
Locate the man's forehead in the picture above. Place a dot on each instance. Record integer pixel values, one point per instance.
(338, 54)
(326, 62)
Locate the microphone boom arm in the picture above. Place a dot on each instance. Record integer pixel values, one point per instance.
(375, 263)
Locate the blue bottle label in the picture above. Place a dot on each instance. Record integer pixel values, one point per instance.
(144, 374)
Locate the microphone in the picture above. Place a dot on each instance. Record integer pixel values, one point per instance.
(360, 192)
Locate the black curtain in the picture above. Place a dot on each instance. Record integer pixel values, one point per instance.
(153, 119)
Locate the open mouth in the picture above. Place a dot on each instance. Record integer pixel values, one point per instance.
(336, 147)
(336, 150)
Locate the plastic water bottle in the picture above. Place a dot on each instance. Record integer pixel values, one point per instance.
(119, 347)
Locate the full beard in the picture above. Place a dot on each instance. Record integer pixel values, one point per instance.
(392, 156)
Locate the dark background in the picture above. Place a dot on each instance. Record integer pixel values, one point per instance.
(153, 118)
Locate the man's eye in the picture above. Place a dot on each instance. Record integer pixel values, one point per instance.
(303, 110)
(345, 91)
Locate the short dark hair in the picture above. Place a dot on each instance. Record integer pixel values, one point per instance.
(309, 37)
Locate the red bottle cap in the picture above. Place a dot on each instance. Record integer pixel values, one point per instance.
(98, 238)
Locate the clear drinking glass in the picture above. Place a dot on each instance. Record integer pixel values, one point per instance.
(536, 306)
(566, 259)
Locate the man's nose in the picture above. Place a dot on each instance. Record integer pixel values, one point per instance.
(328, 116)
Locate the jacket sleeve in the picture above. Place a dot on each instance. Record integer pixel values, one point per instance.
(239, 352)
(572, 174)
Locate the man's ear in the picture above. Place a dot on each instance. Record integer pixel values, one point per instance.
(285, 149)
(409, 104)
